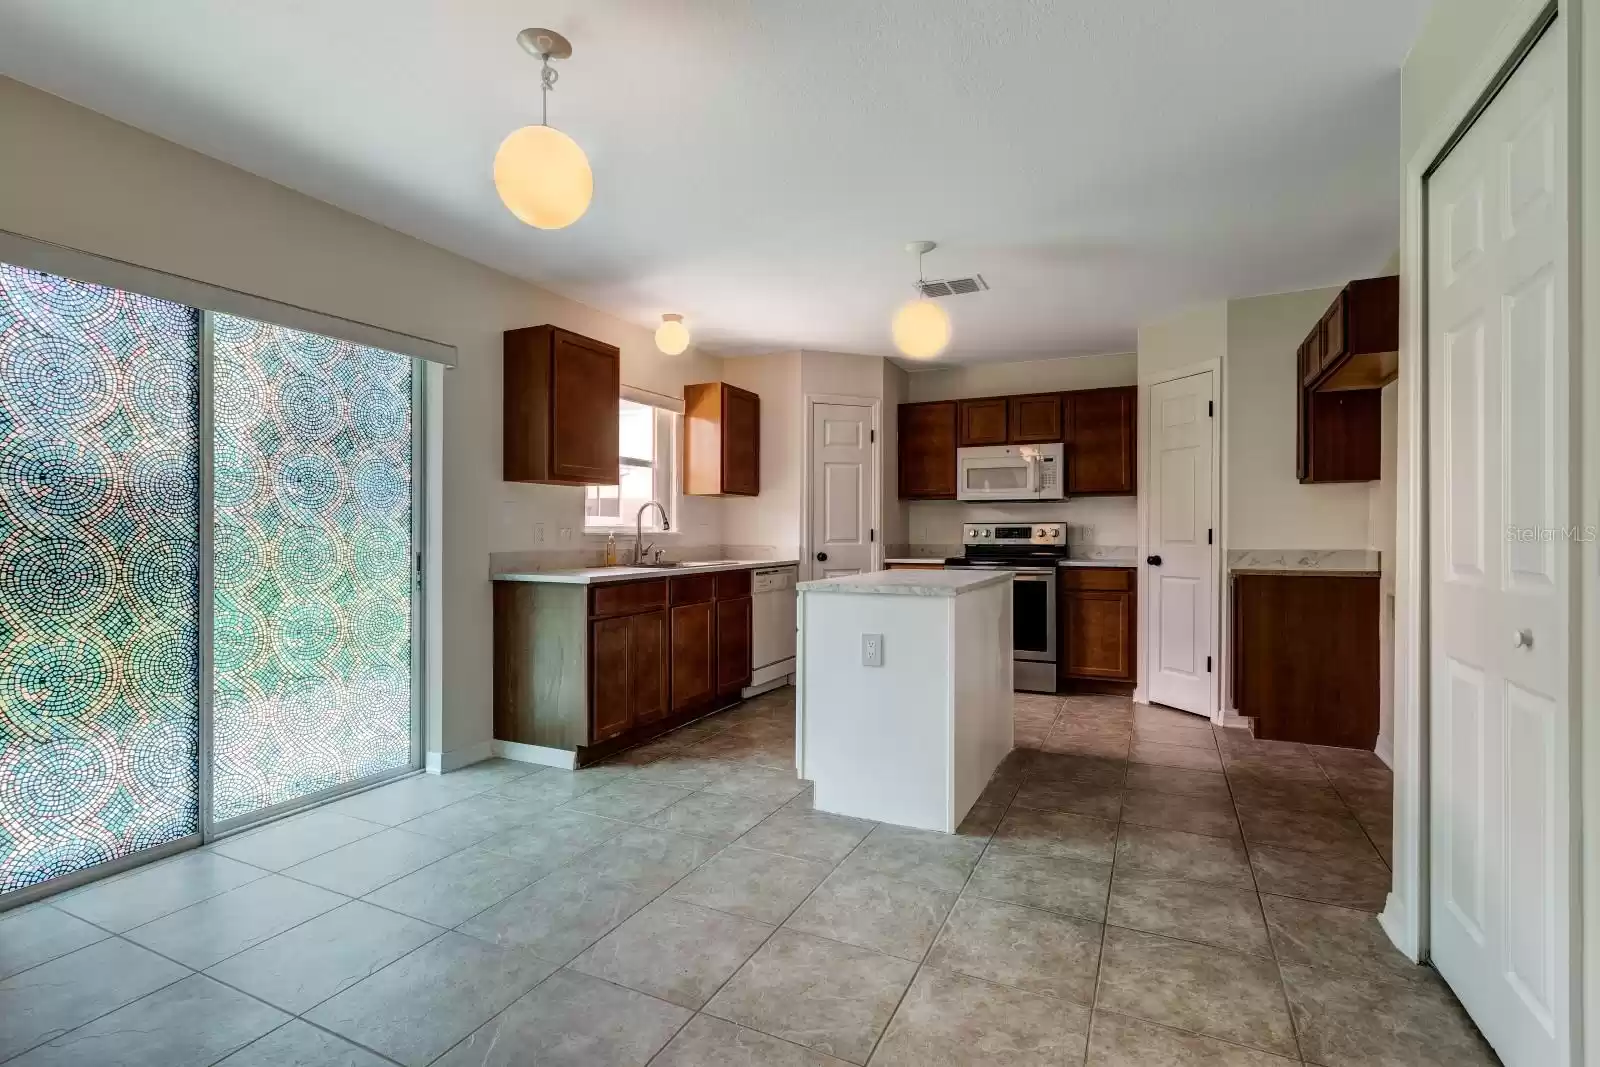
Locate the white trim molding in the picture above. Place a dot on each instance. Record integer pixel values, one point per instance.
(1405, 916)
(457, 758)
(1218, 499)
(875, 497)
(560, 758)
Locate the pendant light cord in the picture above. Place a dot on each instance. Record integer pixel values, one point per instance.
(547, 81)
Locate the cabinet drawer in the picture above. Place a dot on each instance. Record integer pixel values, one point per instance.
(732, 584)
(692, 589)
(1114, 579)
(627, 598)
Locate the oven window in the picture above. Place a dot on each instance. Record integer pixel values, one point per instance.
(1030, 623)
(1005, 478)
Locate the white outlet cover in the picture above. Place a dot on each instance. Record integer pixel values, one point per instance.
(872, 650)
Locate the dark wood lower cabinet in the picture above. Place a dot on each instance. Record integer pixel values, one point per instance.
(647, 667)
(694, 654)
(1097, 611)
(733, 644)
(610, 712)
(628, 673)
(1305, 657)
(593, 669)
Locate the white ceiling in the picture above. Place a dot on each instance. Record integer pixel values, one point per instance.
(759, 163)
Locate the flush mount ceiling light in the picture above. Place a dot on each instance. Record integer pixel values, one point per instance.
(542, 175)
(672, 336)
(921, 327)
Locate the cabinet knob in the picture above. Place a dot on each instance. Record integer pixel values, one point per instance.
(1522, 639)
(1154, 561)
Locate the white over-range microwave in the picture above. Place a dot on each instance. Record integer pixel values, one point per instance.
(1011, 472)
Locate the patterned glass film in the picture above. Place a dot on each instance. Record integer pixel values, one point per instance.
(99, 521)
(312, 633)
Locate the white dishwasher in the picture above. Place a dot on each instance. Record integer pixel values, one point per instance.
(772, 637)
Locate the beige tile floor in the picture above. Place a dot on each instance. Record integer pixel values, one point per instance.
(1135, 889)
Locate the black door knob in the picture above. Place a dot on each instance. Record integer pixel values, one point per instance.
(822, 557)
(1154, 561)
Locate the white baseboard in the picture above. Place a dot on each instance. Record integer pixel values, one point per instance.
(1385, 752)
(455, 759)
(546, 757)
(1233, 719)
(756, 688)
(1395, 924)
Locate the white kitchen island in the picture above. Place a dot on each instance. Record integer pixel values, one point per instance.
(914, 740)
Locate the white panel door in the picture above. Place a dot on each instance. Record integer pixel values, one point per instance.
(841, 489)
(1499, 606)
(1182, 587)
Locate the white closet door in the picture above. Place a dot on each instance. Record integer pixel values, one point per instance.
(1500, 446)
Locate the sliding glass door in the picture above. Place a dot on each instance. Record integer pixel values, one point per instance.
(99, 604)
(312, 542)
(207, 582)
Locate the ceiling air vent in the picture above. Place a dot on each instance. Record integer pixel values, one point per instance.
(953, 286)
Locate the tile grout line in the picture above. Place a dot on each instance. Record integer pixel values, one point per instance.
(1272, 944)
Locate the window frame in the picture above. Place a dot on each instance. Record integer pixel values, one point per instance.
(668, 433)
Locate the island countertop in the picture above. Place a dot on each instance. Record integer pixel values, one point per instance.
(624, 573)
(907, 583)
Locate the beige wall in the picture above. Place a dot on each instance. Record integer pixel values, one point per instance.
(82, 180)
(1029, 376)
(1191, 336)
(770, 521)
(1267, 507)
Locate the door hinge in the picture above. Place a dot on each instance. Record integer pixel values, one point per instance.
(1211, 409)
(419, 568)
(872, 535)
(1208, 536)
(872, 437)
(1208, 664)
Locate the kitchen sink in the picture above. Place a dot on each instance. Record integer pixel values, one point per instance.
(678, 564)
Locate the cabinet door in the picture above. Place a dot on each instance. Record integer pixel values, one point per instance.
(733, 644)
(1101, 456)
(647, 667)
(1097, 628)
(1034, 420)
(609, 668)
(983, 422)
(586, 387)
(741, 442)
(927, 450)
(1333, 332)
(694, 654)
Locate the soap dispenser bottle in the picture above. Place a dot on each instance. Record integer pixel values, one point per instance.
(611, 549)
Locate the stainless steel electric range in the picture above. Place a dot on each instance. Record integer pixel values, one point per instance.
(1031, 553)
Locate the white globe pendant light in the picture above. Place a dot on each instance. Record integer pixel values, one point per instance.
(921, 327)
(541, 174)
(672, 336)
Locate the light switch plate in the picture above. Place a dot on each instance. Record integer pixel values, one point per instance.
(872, 650)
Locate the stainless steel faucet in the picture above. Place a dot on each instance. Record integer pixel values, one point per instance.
(639, 547)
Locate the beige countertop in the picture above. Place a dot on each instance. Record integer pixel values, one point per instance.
(603, 575)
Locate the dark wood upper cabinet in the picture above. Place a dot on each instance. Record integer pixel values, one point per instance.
(561, 396)
(1347, 358)
(721, 441)
(1305, 657)
(694, 653)
(927, 450)
(1099, 427)
(1101, 442)
(983, 422)
(733, 644)
(1097, 624)
(1033, 420)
